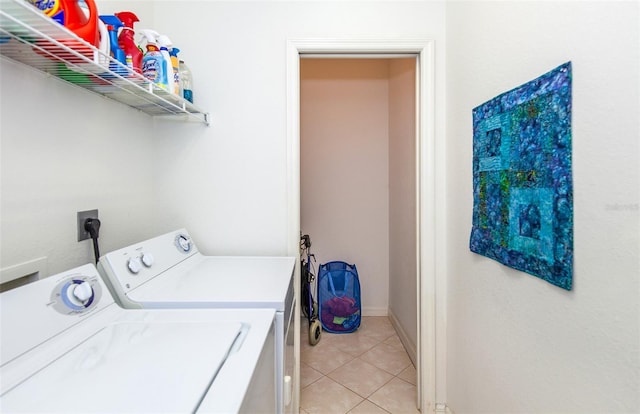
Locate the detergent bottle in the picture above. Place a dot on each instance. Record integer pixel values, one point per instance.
(101, 56)
(175, 64)
(187, 81)
(113, 24)
(165, 43)
(126, 42)
(153, 63)
(69, 13)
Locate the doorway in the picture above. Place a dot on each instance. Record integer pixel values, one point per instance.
(358, 190)
(425, 187)
(358, 177)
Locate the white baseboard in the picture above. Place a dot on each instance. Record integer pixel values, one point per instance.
(409, 346)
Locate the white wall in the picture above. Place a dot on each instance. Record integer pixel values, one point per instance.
(516, 343)
(344, 138)
(65, 150)
(402, 200)
(232, 192)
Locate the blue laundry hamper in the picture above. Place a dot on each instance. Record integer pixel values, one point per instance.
(339, 305)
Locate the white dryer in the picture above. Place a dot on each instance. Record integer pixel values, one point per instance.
(68, 347)
(169, 272)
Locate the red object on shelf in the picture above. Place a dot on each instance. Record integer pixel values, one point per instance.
(126, 42)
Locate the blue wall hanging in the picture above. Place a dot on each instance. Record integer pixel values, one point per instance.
(522, 180)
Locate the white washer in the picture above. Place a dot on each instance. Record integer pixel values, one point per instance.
(68, 347)
(169, 272)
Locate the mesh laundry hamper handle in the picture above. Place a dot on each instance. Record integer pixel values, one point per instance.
(346, 283)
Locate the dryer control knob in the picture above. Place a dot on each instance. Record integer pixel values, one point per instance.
(134, 265)
(148, 259)
(183, 243)
(82, 292)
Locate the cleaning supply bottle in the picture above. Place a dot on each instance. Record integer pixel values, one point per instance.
(69, 13)
(175, 64)
(187, 81)
(113, 24)
(101, 56)
(126, 42)
(165, 43)
(153, 63)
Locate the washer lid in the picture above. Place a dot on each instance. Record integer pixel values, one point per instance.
(132, 367)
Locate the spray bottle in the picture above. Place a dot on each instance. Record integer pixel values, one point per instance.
(113, 24)
(154, 66)
(153, 63)
(133, 55)
(165, 43)
(175, 63)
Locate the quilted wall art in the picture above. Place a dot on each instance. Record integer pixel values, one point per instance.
(522, 179)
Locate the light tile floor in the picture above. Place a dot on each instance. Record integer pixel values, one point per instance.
(364, 372)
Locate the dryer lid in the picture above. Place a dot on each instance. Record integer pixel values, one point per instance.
(221, 282)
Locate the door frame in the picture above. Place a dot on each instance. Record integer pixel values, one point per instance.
(429, 187)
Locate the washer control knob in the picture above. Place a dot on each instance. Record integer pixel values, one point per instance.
(134, 265)
(82, 292)
(148, 259)
(76, 294)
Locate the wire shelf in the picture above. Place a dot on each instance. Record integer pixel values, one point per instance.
(30, 37)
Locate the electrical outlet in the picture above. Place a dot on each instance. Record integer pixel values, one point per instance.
(82, 216)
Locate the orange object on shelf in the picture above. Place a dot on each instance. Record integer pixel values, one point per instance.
(69, 14)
